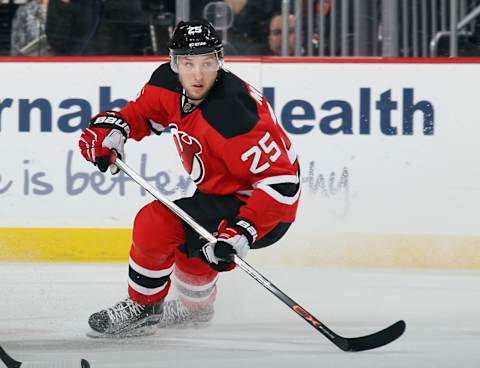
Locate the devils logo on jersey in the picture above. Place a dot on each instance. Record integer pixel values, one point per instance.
(189, 149)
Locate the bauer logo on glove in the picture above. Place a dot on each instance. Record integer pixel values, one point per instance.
(107, 131)
(232, 239)
(109, 119)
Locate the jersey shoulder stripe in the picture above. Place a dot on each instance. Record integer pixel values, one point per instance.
(165, 77)
(229, 108)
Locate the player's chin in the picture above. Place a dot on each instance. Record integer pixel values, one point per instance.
(198, 94)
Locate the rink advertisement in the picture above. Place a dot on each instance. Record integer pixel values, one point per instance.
(388, 152)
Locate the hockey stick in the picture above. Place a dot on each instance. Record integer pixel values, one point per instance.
(12, 363)
(367, 342)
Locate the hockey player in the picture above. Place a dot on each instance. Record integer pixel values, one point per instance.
(244, 168)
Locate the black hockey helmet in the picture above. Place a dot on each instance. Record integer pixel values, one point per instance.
(195, 38)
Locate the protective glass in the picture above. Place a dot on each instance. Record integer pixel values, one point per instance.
(210, 62)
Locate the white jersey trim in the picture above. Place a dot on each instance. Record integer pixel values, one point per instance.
(150, 273)
(144, 290)
(196, 299)
(292, 155)
(157, 127)
(195, 287)
(246, 193)
(264, 185)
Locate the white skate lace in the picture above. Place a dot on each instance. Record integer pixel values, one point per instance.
(174, 311)
(124, 310)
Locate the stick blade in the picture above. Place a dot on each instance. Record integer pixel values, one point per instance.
(8, 360)
(374, 340)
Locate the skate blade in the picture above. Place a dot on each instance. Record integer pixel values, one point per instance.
(185, 325)
(57, 364)
(138, 332)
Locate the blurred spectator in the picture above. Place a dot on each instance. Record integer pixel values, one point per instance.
(246, 34)
(161, 19)
(7, 11)
(197, 7)
(28, 29)
(273, 44)
(98, 27)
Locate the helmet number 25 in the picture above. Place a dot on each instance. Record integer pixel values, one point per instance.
(258, 150)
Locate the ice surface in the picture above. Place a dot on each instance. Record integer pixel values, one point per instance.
(45, 308)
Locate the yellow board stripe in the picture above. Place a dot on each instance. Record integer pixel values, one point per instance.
(338, 250)
(65, 245)
(369, 250)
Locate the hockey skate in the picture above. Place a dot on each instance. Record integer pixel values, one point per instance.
(178, 315)
(126, 319)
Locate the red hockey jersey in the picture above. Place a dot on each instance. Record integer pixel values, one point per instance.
(231, 143)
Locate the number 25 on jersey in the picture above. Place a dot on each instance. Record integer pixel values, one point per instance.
(271, 149)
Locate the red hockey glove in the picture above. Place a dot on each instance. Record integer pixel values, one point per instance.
(108, 130)
(233, 238)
